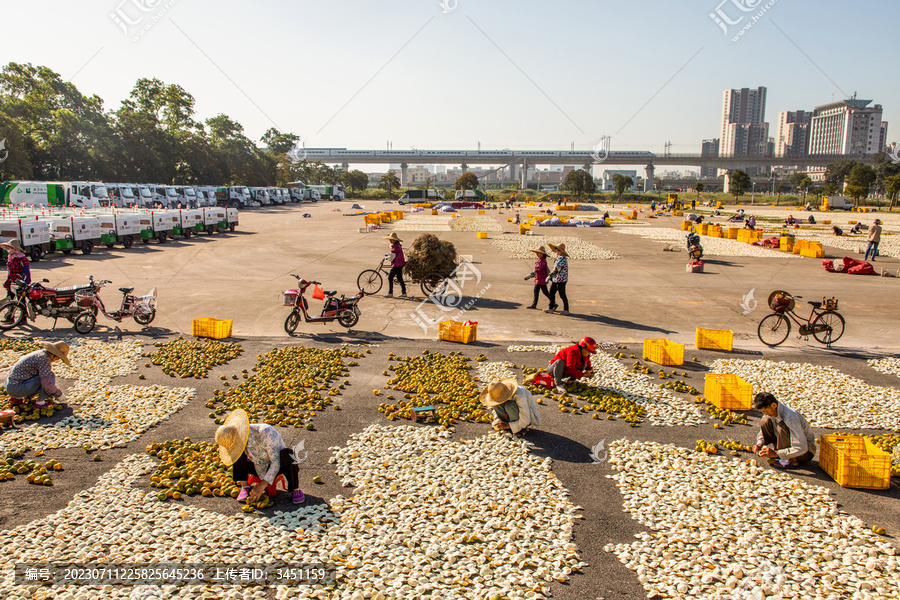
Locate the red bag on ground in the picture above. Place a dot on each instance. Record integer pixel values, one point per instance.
(863, 269)
(829, 265)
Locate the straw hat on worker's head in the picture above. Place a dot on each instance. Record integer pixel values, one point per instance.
(58, 349)
(13, 244)
(232, 436)
(393, 237)
(540, 251)
(561, 249)
(499, 391)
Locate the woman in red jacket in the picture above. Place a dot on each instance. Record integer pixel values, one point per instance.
(574, 362)
(541, 273)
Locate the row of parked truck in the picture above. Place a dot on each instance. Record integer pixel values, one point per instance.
(65, 229)
(90, 195)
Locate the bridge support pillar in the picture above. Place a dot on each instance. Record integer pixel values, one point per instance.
(524, 173)
(648, 178)
(404, 174)
(345, 167)
(465, 168)
(726, 183)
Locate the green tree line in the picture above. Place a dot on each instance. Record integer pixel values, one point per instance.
(54, 132)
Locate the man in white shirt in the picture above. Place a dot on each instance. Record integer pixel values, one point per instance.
(783, 434)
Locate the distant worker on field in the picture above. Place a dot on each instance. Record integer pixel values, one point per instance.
(874, 239)
(559, 278)
(837, 230)
(856, 228)
(573, 362)
(397, 263)
(811, 220)
(784, 434)
(540, 275)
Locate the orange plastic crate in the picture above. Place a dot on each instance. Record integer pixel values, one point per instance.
(664, 352)
(216, 329)
(855, 462)
(453, 331)
(713, 339)
(728, 391)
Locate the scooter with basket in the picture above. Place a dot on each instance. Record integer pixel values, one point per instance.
(344, 310)
(141, 308)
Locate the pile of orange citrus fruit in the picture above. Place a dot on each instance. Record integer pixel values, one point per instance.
(193, 358)
(287, 387)
(190, 468)
(434, 379)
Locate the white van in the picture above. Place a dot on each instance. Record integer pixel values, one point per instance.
(86, 194)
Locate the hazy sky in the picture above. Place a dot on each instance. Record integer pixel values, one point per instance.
(521, 74)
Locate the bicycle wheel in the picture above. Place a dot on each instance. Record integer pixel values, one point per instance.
(774, 329)
(828, 327)
(370, 281)
(85, 322)
(434, 284)
(290, 324)
(12, 314)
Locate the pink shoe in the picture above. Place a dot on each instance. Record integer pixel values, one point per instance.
(298, 497)
(245, 493)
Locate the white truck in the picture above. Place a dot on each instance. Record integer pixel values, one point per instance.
(214, 219)
(329, 192)
(74, 233)
(122, 195)
(164, 196)
(274, 198)
(258, 196)
(120, 228)
(206, 196)
(190, 221)
(839, 203)
(33, 234)
(236, 196)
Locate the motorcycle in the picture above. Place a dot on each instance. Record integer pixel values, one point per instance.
(695, 250)
(142, 308)
(34, 299)
(343, 310)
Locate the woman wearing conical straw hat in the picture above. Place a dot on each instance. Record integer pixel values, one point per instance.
(514, 407)
(398, 261)
(540, 274)
(33, 374)
(257, 455)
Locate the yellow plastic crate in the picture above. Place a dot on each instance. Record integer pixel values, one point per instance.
(733, 233)
(481, 235)
(813, 253)
(855, 462)
(728, 391)
(713, 339)
(686, 225)
(453, 331)
(434, 211)
(664, 352)
(715, 232)
(216, 329)
(480, 212)
(508, 219)
(523, 229)
(385, 218)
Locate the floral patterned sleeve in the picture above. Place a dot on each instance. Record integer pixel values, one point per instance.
(264, 449)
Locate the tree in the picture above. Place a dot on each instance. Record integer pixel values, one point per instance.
(780, 189)
(892, 188)
(861, 176)
(856, 192)
(579, 182)
(466, 181)
(620, 183)
(740, 183)
(388, 182)
(699, 187)
(278, 143)
(838, 171)
(355, 180)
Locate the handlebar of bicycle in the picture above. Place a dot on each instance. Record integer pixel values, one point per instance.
(298, 278)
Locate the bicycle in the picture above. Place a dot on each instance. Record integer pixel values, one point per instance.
(826, 325)
(372, 280)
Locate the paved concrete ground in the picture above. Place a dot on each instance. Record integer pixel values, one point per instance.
(646, 294)
(241, 275)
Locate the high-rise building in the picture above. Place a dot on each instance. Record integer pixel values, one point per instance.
(884, 137)
(744, 127)
(709, 148)
(847, 127)
(793, 133)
